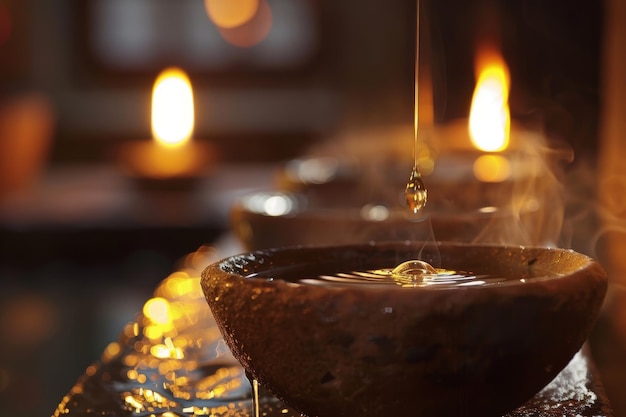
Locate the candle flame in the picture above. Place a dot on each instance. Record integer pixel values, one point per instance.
(490, 119)
(172, 108)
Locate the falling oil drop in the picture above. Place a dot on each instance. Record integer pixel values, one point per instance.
(415, 192)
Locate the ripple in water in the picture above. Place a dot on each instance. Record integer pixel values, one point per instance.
(409, 274)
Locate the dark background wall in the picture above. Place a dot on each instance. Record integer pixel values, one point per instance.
(67, 285)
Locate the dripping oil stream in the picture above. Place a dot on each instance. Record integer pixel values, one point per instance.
(415, 192)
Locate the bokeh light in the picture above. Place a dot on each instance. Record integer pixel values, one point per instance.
(230, 14)
(252, 32)
(157, 310)
(492, 168)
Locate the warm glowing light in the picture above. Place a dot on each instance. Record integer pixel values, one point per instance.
(153, 332)
(277, 205)
(172, 108)
(492, 168)
(163, 351)
(112, 349)
(231, 13)
(157, 310)
(131, 330)
(90, 371)
(171, 153)
(374, 212)
(131, 401)
(253, 31)
(490, 119)
(179, 284)
(272, 204)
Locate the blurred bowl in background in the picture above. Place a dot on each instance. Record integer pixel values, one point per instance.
(327, 200)
(276, 219)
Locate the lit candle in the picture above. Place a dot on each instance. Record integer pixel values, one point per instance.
(490, 118)
(171, 153)
(486, 146)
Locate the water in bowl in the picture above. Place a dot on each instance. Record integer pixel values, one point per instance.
(409, 274)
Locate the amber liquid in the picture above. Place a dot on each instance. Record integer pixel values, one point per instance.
(405, 277)
(385, 276)
(415, 192)
(256, 409)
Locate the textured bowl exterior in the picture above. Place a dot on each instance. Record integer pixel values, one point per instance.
(362, 351)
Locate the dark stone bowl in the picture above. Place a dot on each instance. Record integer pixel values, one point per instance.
(359, 350)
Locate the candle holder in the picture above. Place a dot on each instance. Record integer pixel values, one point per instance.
(172, 160)
(151, 166)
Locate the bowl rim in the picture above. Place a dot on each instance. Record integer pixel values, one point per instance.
(587, 265)
(302, 209)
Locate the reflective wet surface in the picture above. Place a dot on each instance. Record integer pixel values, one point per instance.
(171, 361)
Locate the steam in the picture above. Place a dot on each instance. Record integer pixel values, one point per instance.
(535, 214)
(367, 183)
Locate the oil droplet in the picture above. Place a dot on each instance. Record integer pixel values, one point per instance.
(256, 408)
(415, 193)
(414, 270)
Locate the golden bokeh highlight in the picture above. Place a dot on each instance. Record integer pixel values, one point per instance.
(112, 349)
(492, 168)
(230, 14)
(157, 310)
(172, 354)
(252, 32)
